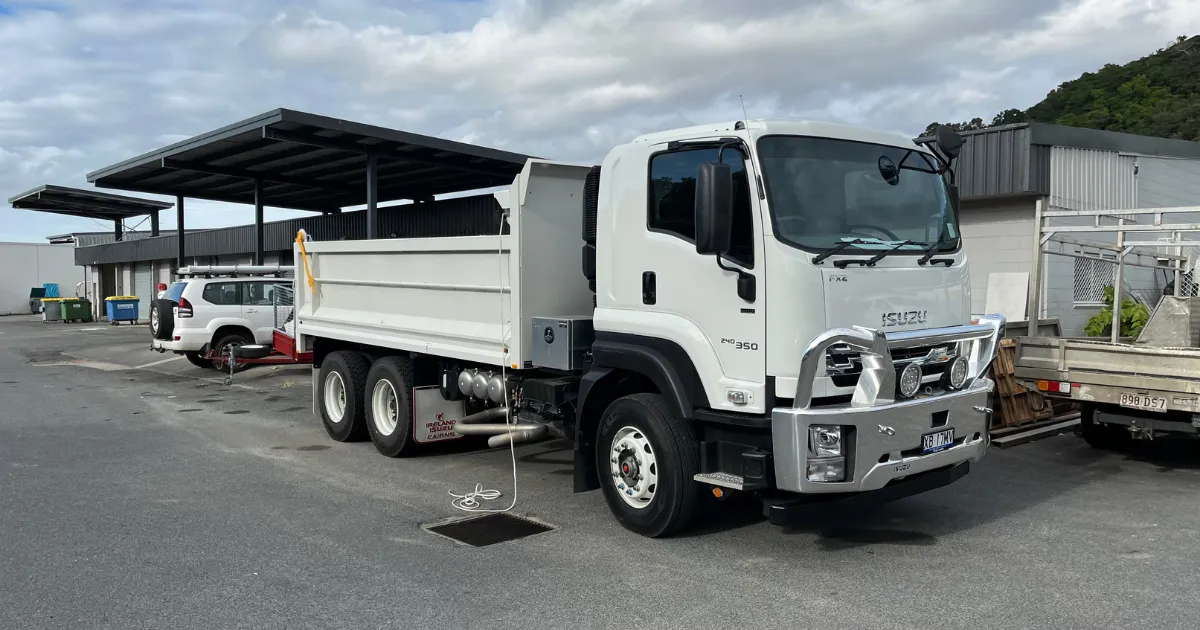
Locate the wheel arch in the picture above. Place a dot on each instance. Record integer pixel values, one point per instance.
(229, 329)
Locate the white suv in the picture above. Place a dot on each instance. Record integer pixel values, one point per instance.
(199, 314)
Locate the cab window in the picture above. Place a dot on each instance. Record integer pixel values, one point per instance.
(672, 202)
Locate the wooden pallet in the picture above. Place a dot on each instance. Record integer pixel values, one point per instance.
(1013, 404)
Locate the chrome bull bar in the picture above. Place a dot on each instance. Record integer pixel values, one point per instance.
(877, 383)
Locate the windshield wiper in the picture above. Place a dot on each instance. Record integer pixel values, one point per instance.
(837, 248)
(930, 252)
(870, 262)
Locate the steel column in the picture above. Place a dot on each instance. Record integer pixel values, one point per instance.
(118, 230)
(258, 222)
(154, 223)
(180, 233)
(1033, 302)
(372, 196)
(1117, 279)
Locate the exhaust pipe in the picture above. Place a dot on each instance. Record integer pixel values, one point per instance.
(489, 429)
(486, 414)
(520, 435)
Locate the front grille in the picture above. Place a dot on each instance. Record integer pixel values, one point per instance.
(844, 364)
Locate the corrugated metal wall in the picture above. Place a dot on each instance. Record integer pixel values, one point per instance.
(1087, 179)
(462, 216)
(1001, 162)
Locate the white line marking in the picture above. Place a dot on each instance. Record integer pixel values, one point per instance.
(154, 363)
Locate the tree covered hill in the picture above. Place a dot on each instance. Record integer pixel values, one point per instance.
(1157, 95)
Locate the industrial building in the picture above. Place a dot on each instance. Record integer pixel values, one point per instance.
(291, 159)
(1004, 171)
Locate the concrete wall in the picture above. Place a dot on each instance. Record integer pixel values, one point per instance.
(998, 237)
(27, 265)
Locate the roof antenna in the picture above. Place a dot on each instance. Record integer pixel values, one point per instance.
(743, 102)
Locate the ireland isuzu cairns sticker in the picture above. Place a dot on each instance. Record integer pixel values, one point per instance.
(434, 416)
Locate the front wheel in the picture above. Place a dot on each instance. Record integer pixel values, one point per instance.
(647, 459)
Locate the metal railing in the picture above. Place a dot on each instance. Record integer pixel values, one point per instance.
(283, 305)
(1165, 240)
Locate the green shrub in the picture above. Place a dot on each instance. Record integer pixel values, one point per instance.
(1133, 317)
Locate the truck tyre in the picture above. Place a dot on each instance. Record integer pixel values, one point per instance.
(197, 359)
(162, 319)
(647, 459)
(1103, 436)
(389, 406)
(340, 386)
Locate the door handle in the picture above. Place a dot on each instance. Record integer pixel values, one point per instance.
(649, 288)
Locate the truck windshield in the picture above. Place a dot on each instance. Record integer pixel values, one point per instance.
(823, 192)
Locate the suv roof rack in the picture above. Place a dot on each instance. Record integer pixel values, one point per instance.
(210, 271)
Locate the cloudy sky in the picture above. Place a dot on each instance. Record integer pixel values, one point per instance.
(87, 83)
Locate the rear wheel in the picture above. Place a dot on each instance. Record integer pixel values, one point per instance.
(647, 459)
(197, 359)
(1103, 436)
(389, 406)
(224, 347)
(340, 391)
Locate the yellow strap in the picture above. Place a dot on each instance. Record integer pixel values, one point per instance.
(304, 255)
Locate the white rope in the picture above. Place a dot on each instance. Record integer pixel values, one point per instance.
(471, 501)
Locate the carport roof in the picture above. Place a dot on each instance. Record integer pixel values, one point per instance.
(85, 203)
(310, 162)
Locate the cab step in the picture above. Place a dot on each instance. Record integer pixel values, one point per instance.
(725, 480)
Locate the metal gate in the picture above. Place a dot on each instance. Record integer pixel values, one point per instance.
(143, 287)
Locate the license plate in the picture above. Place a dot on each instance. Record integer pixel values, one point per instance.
(1141, 401)
(940, 441)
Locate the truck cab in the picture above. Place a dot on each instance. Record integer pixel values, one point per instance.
(833, 263)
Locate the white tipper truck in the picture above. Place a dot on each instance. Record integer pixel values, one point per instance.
(772, 307)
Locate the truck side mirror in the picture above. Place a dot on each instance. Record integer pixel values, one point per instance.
(714, 208)
(948, 141)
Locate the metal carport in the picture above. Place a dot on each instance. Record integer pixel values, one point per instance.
(90, 204)
(291, 159)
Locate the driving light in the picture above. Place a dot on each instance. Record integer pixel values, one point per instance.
(825, 440)
(956, 372)
(829, 469)
(910, 380)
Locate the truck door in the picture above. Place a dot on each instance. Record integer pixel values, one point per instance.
(695, 301)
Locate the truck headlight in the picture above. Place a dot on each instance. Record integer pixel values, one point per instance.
(910, 380)
(956, 372)
(825, 440)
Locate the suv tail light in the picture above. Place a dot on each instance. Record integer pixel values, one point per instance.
(185, 308)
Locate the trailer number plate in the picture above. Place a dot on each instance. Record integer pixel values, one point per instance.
(934, 442)
(1143, 402)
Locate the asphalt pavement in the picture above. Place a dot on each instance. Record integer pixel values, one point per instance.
(160, 498)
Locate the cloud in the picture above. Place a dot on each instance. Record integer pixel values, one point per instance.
(88, 83)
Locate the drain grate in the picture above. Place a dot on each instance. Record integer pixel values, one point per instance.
(481, 531)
